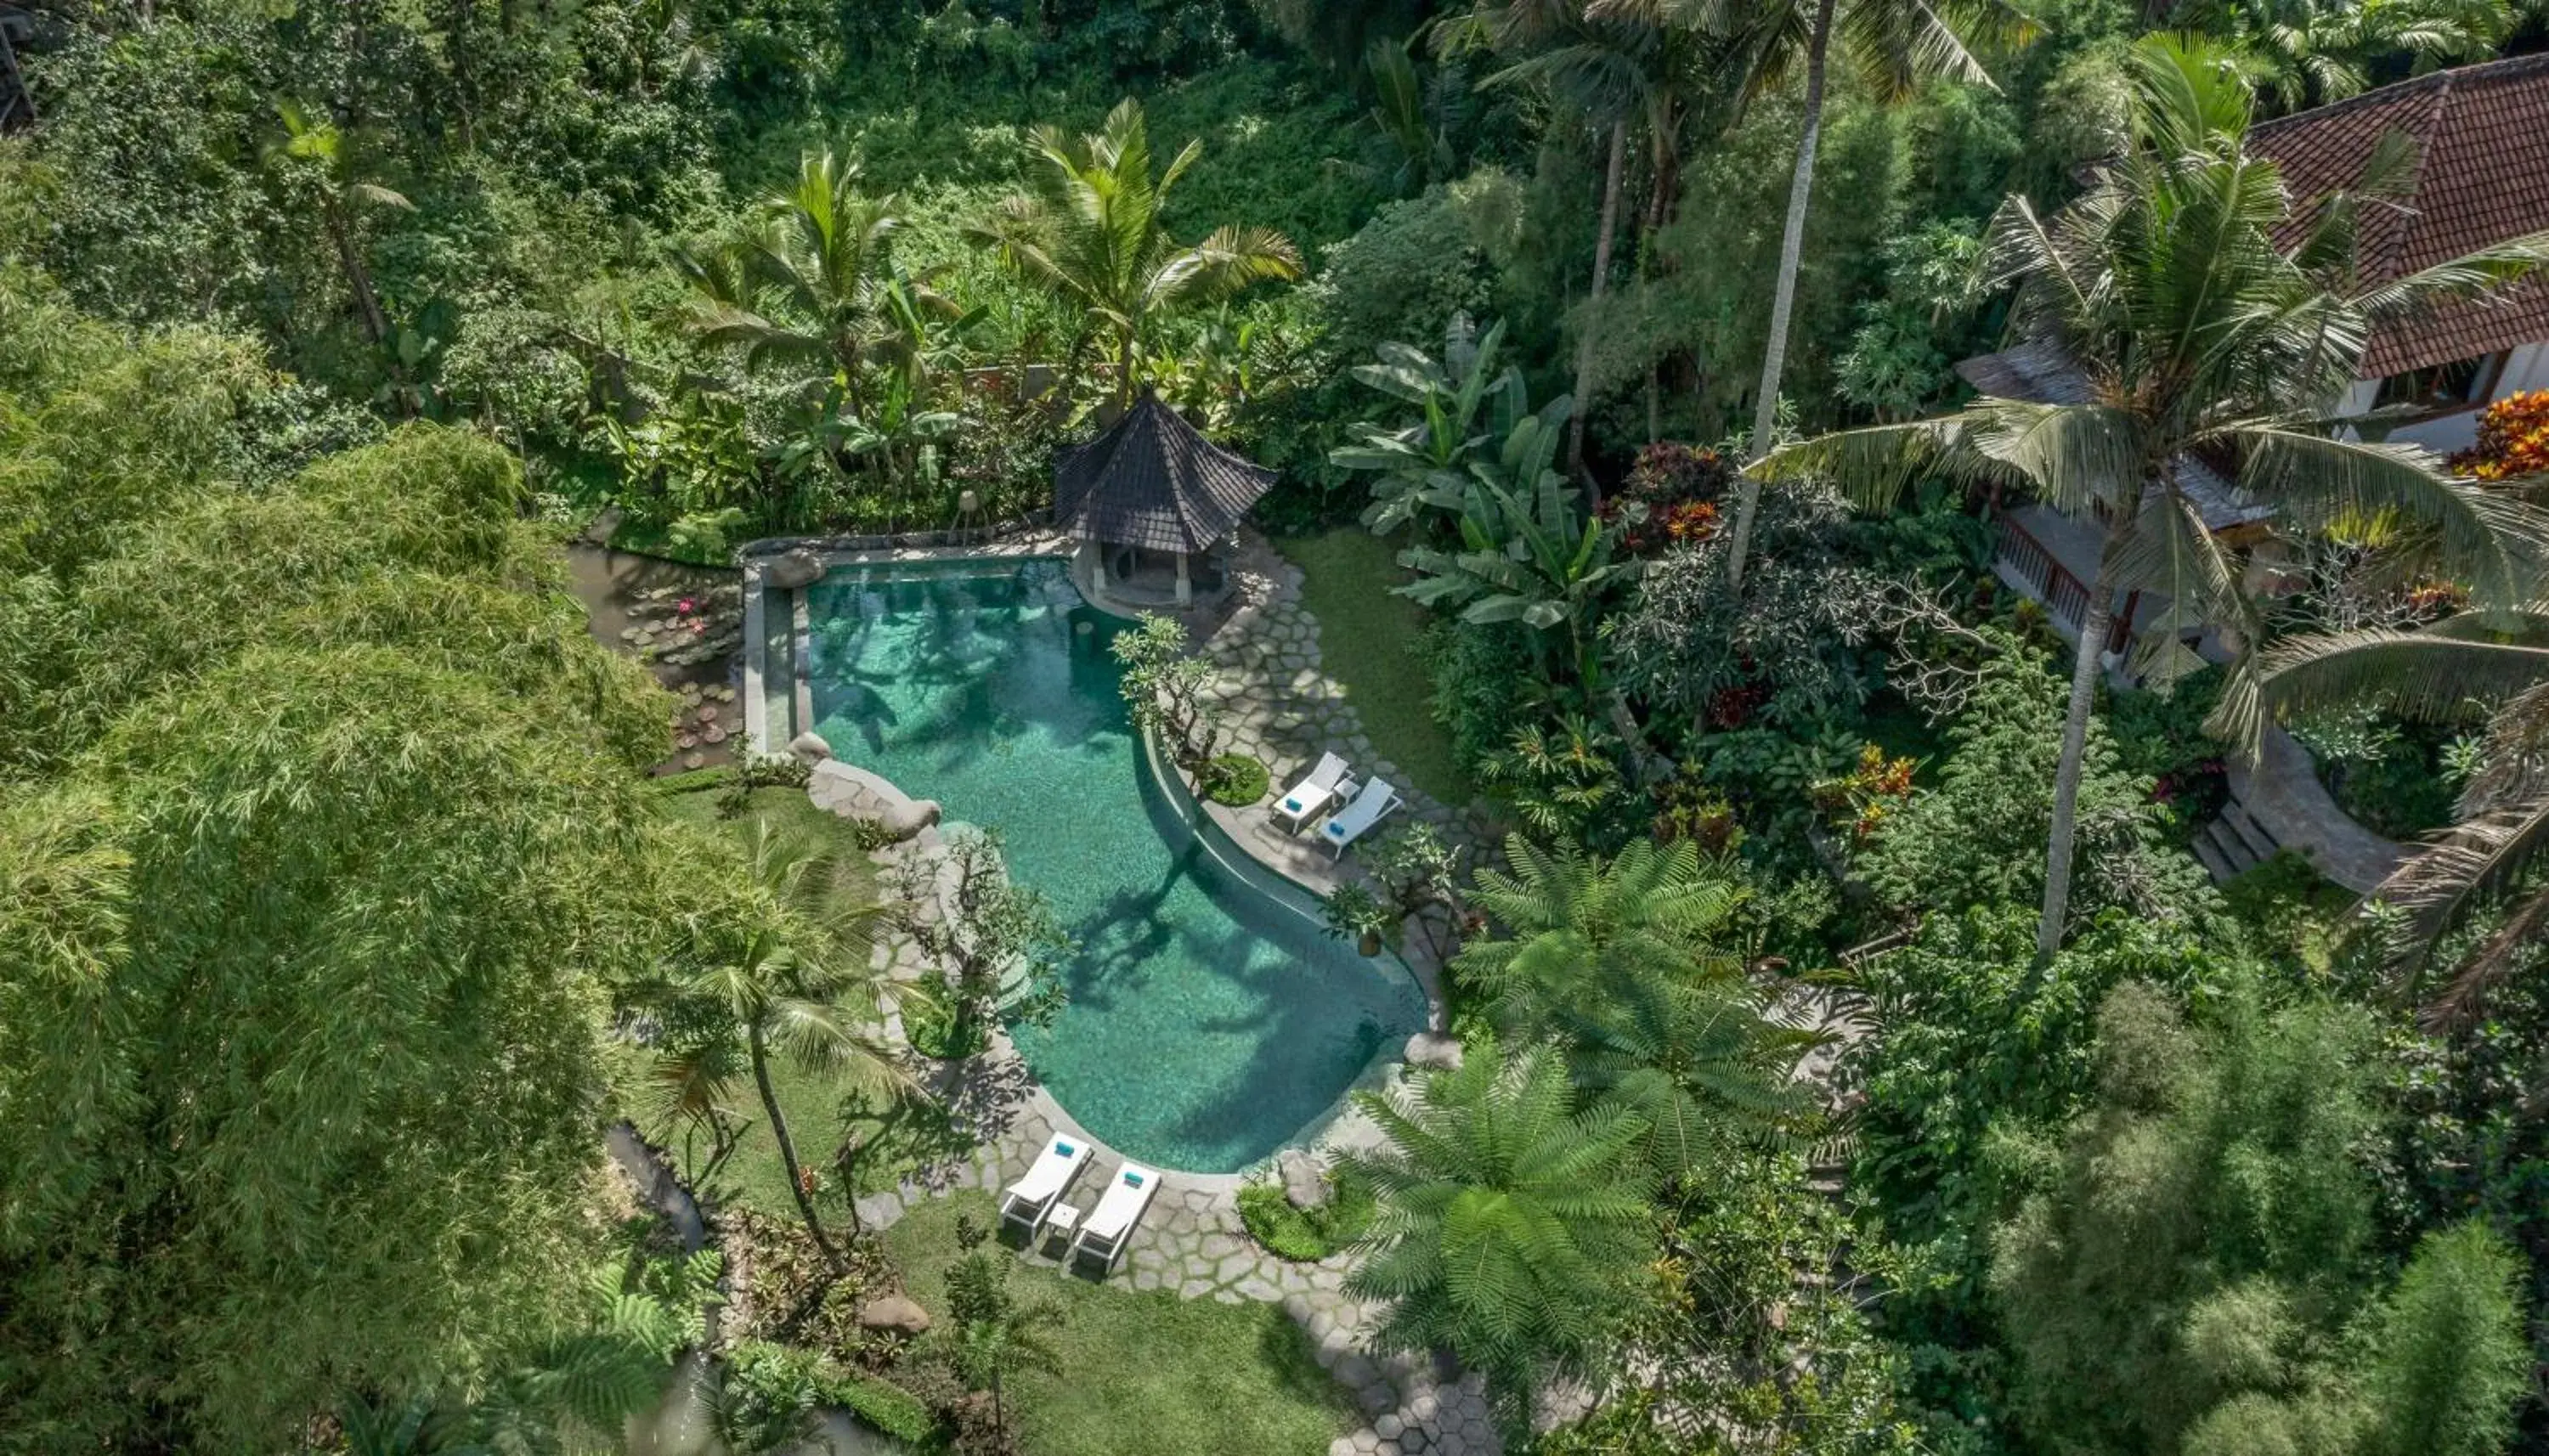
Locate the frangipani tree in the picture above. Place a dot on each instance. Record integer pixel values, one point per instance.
(2208, 311)
(1090, 230)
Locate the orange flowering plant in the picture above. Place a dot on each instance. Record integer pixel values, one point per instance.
(2513, 439)
(1864, 796)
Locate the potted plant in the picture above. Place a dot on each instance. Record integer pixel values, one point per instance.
(1353, 911)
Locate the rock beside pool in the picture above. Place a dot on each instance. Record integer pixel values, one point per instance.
(896, 1312)
(1306, 1182)
(793, 570)
(1427, 1050)
(855, 793)
(811, 747)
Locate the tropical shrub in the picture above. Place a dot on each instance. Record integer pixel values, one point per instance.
(1306, 1236)
(1976, 839)
(1785, 647)
(2513, 439)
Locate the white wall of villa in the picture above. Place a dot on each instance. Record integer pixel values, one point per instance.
(2523, 367)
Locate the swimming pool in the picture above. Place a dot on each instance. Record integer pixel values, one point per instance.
(1211, 1020)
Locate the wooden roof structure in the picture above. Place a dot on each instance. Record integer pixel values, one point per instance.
(1154, 480)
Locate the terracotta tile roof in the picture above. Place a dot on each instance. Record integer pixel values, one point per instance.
(1152, 480)
(2483, 177)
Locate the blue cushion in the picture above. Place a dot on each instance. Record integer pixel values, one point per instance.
(1065, 1149)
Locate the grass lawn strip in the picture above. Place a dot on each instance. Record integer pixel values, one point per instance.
(1368, 643)
(1142, 1371)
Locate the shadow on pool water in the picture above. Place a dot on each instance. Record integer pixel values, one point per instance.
(1210, 1022)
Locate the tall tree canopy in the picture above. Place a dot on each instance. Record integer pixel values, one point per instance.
(331, 857)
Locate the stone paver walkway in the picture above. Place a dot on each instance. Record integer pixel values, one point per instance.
(1192, 1242)
(1276, 702)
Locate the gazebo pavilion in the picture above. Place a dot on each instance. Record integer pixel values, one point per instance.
(1152, 504)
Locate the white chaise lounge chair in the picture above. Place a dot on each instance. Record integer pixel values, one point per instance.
(1104, 1234)
(1375, 804)
(1313, 793)
(1026, 1202)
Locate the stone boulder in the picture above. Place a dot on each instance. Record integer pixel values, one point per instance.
(1306, 1182)
(811, 747)
(793, 570)
(910, 817)
(1432, 1050)
(855, 793)
(896, 1312)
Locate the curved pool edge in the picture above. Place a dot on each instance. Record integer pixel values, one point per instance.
(1262, 876)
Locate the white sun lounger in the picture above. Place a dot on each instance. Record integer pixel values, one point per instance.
(1026, 1202)
(1313, 793)
(1102, 1234)
(1374, 804)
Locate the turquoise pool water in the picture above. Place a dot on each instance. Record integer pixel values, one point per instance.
(1211, 1019)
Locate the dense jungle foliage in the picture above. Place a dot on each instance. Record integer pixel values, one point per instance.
(1857, 1057)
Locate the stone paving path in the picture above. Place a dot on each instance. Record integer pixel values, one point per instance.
(1277, 704)
(1192, 1242)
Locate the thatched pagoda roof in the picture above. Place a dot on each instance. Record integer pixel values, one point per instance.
(1154, 480)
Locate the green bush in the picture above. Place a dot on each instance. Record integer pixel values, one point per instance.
(1305, 1236)
(1236, 780)
(694, 781)
(772, 1392)
(883, 1405)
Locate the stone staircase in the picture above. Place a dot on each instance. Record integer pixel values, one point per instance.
(2233, 843)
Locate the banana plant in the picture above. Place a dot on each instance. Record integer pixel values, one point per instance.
(1466, 404)
(1527, 556)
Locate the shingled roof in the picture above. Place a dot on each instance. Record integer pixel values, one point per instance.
(1154, 480)
(2482, 134)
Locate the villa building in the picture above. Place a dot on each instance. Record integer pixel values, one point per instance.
(2481, 177)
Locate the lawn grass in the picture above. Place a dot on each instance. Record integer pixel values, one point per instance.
(1367, 642)
(1142, 1371)
(753, 1176)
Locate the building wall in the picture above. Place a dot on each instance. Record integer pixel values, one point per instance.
(2525, 368)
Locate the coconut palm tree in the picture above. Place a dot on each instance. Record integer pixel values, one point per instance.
(781, 970)
(1895, 45)
(318, 154)
(2309, 53)
(2440, 672)
(816, 287)
(1510, 1224)
(1592, 946)
(2208, 311)
(1090, 230)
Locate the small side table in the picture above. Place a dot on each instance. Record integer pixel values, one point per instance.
(1063, 1221)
